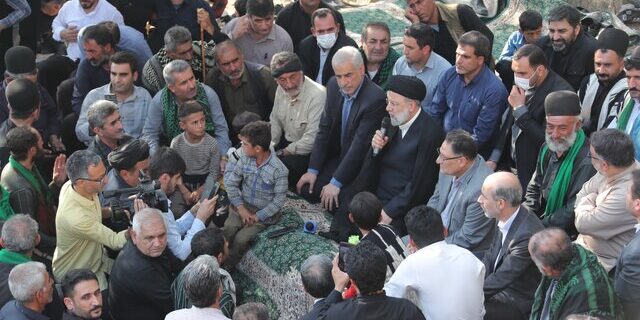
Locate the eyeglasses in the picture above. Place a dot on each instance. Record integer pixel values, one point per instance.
(445, 158)
(590, 156)
(99, 180)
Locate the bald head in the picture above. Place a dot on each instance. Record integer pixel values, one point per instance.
(501, 195)
(551, 250)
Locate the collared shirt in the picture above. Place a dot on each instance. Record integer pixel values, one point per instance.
(21, 10)
(186, 226)
(430, 74)
(637, 227)
(133, 111)
(505, 226)
(261, 51)
(262, 187)
(515, 42)
(451, 200)
(297, 119)
(153, 123)
(632, 118)
(324, 54)
(405, 127)
(476, 107)
(17, 311)
(81, 236)
(196, 313)
(441, 274)
(72, 14)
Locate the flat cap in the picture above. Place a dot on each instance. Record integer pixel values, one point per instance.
(562, 103)
(23, 97)
(127, 155)
(407, 86)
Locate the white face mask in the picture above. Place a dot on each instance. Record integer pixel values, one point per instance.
(523, 83)
(326, 41)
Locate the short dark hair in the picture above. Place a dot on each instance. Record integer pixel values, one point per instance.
(257, 133)
(533, 53)
(72, 278)
(553, 248)
(530, 20)
(365, 208)
(635, 186)
(166, 160)
(242, 120)
(189, 108)
(422, 33)
(462, 143)
(122, 57)
(614, 146)
(366, 265)
(480, 43)
(315, 273)
(375, 24)
(208, 241)
(564, 12)
(241, 7)
(20, 140)
(113, 29)
(323, 13)
(260, 8)
(424, 225)
(100, 34)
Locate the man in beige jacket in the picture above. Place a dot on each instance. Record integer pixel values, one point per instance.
(602, 217)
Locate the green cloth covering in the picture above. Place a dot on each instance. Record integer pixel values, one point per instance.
(170, 110)
(563, 177)
(34, 178)
(625, 115)
(583, 288)
(11, 257)
(5, 208)
(386, 67)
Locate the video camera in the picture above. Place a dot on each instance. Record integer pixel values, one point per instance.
(148, 190)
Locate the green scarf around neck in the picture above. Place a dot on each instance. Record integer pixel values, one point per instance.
(563, 177)
(623, 120)
(5, 207)
(170, 109)
(35, 179)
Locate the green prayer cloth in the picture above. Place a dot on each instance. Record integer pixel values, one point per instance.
(5, 207)
(34, 178)
(11, 257)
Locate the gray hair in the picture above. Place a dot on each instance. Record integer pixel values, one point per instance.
(26, 279)
(552, 247)
(19, 233)
(79, 162)
(511, 194)
(145, 216)
(99, 111)
(315, 273)
(175, 66)
(176, 36)
(251, 311)
(282, 58)
(347, 54)
(202, 281)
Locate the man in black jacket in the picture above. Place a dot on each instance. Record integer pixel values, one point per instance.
(569, 50)
(295, 18)
(140, 284)
(511, 277)
(366, 269)
(317, 50)
(315, 273)
(353, 109)
(522, 131)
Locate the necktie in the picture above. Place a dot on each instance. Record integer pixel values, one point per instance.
(346, 106)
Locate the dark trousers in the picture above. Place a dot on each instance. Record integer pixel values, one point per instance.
(6, 42)
(496, 310)
(324, 177)
(503, 67)
(297, 165)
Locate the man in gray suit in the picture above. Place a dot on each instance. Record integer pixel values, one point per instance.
(462, 172)
(511, 277)
(627, 271)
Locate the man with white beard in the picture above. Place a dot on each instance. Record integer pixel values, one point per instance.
(563, 164)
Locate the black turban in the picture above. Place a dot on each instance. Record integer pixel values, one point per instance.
(23, 97)
(562, 103)
(613, 39)
(129, 154)
(407, 86)
(20, 59)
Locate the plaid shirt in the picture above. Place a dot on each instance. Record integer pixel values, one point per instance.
(21, 10)
(262, 187)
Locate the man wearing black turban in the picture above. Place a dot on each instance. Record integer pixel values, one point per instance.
(603, 92)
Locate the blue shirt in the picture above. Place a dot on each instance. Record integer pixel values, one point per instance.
(475, 107)
(515, 41)
(429, 75)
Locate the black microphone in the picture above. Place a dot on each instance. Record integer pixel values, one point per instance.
(386, 122)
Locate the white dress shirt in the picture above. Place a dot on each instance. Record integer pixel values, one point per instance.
(72, 14)
(196, 313)
(448, 281)
(405, 127)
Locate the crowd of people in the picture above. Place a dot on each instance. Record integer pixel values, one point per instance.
(144, 148)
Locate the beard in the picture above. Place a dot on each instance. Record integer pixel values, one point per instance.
(400, 119)
(561, 144)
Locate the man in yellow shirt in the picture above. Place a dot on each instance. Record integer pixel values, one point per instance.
(79, 229)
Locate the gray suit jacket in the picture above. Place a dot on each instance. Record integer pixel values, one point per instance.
(468, 226)
(627, 278)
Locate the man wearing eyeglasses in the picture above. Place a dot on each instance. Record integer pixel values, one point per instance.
(79, 229)
(462, 172)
